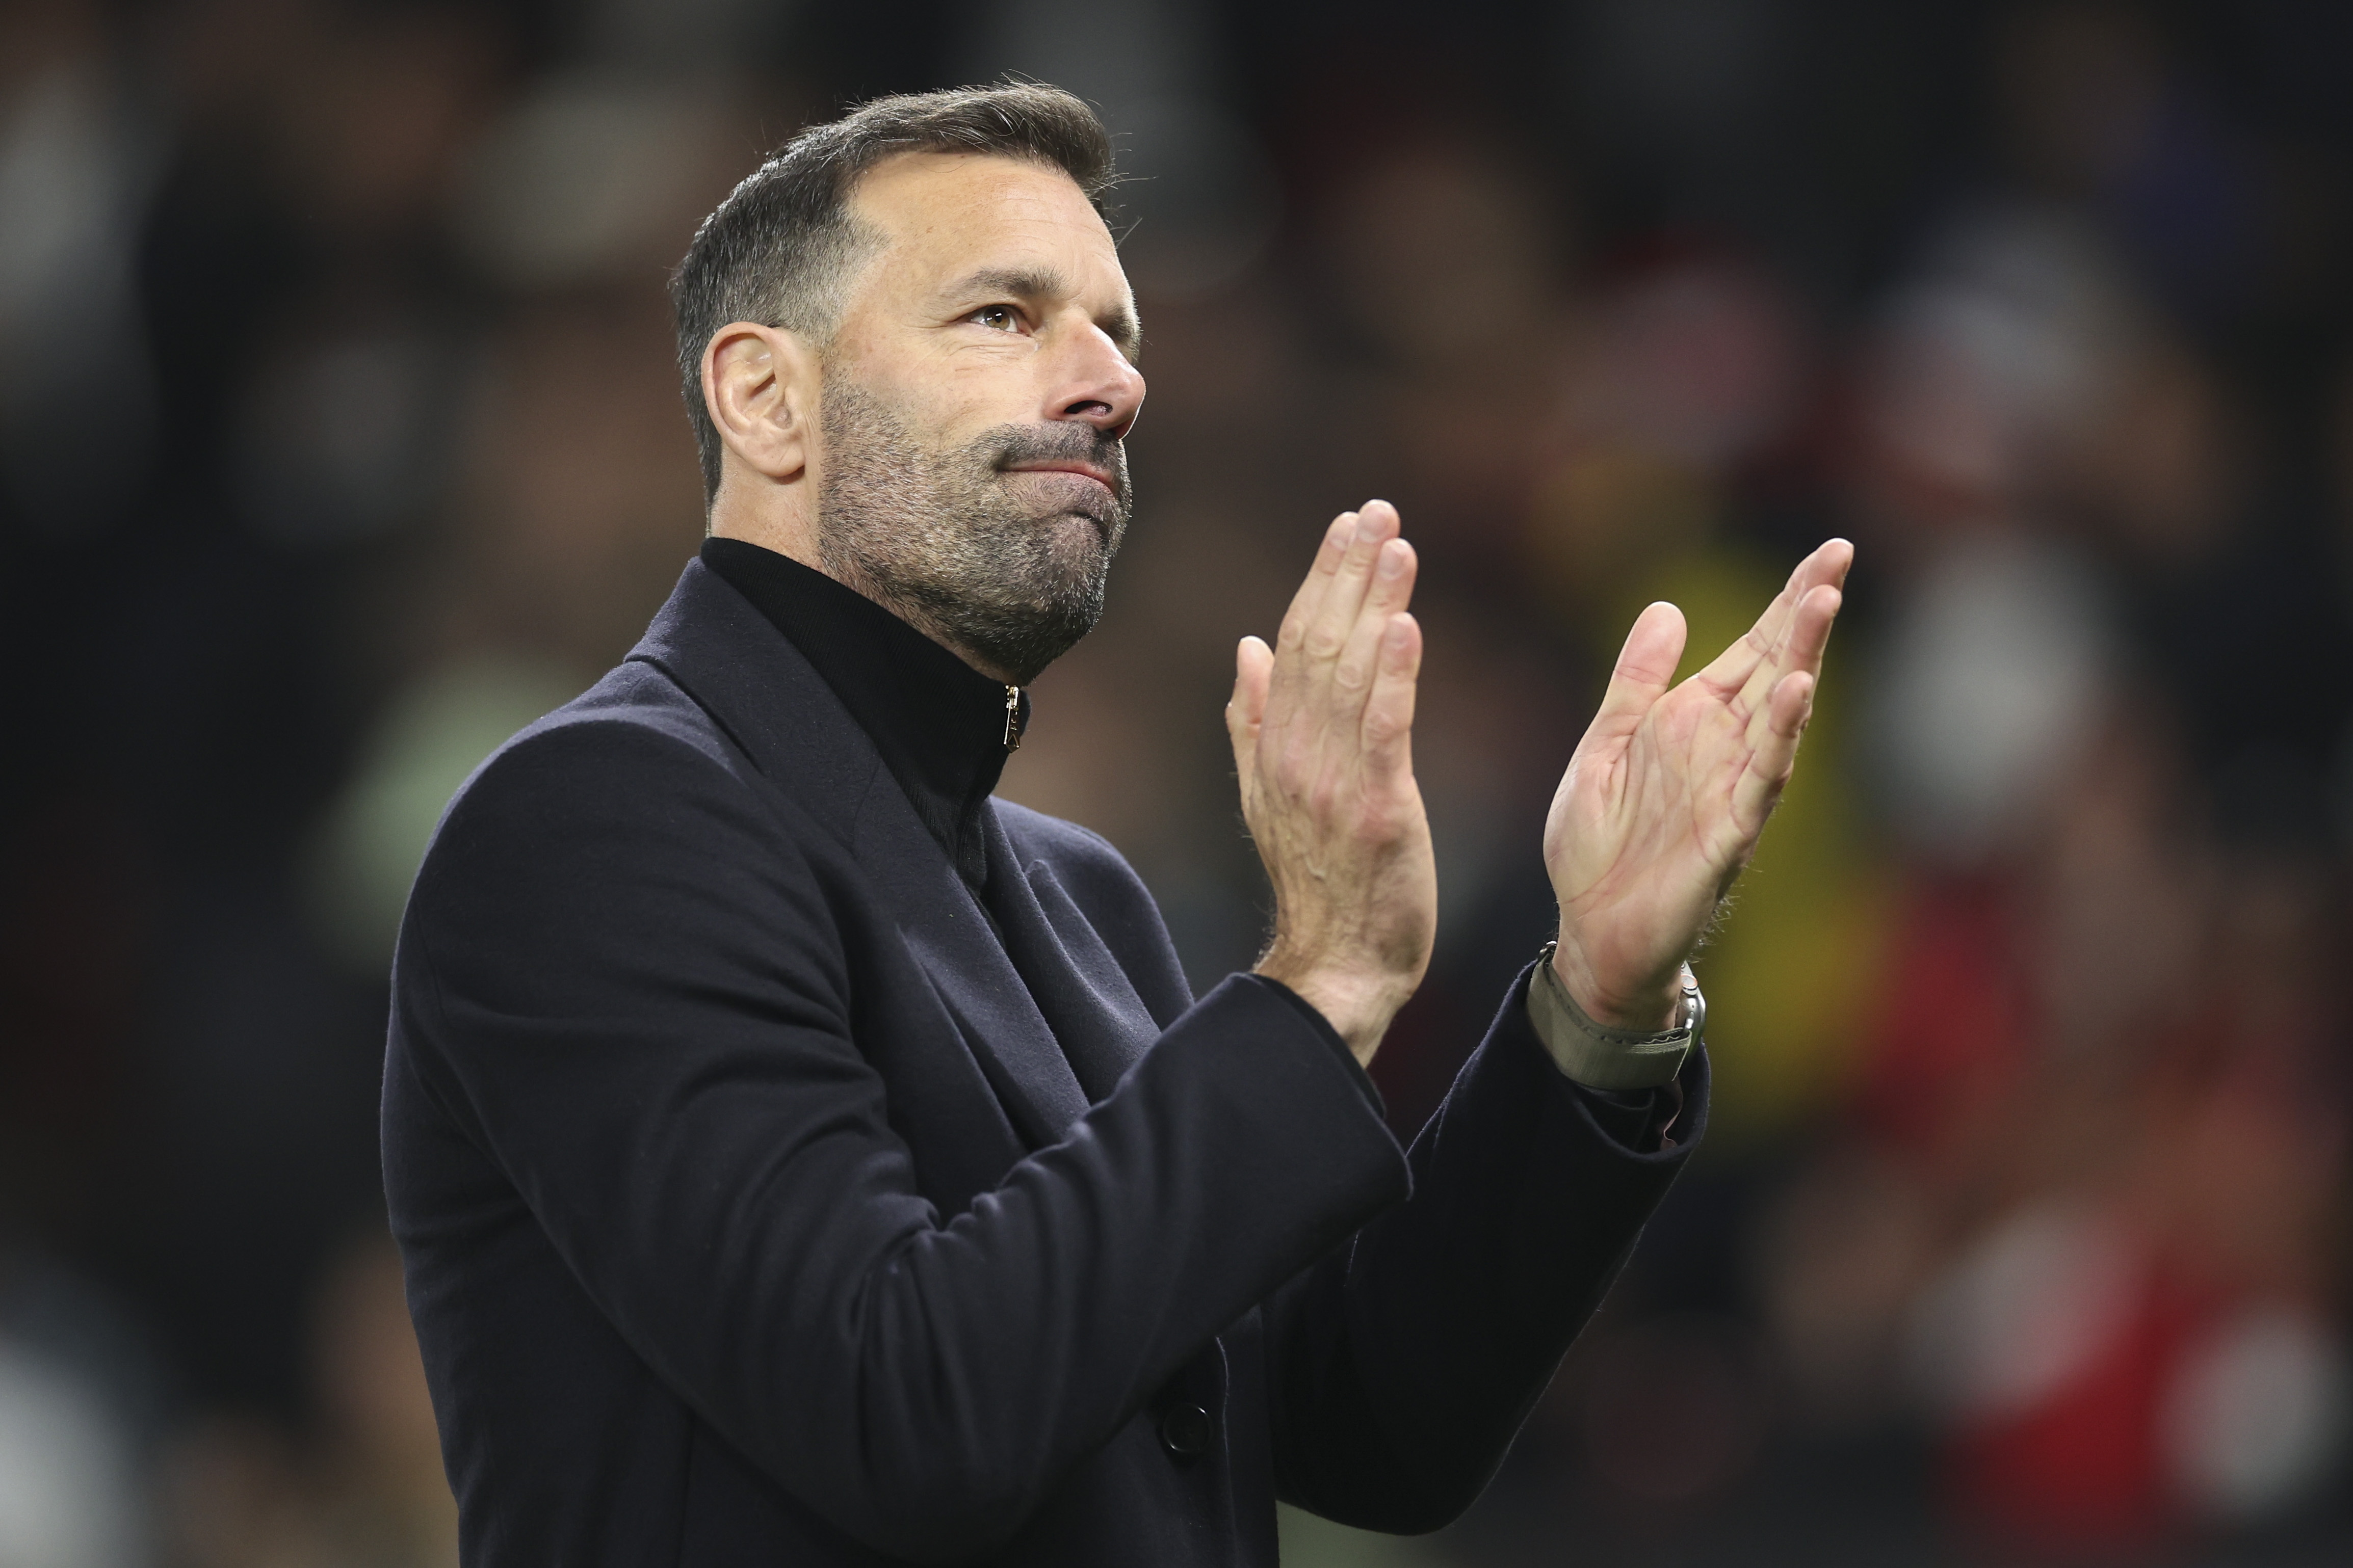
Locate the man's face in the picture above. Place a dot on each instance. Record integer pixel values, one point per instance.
(970, 471)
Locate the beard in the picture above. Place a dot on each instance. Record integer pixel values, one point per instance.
(1008, 572)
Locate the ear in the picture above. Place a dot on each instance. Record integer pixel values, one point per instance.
(760, 385)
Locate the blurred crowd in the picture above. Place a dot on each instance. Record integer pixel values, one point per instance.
(338, 440)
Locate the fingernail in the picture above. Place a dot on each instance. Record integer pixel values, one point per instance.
(1392, 559)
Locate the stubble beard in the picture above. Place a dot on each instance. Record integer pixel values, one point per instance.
(940, 537)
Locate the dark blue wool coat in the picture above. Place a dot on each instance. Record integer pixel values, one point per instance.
(755, 1210)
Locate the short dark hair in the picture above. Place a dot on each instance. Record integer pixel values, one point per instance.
(782, 248)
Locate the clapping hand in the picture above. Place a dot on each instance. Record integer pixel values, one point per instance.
(1664, 798)
(1660, 809)
(1322, 725)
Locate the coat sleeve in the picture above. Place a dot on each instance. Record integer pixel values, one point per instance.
(1403, 1365)
(636, 1000)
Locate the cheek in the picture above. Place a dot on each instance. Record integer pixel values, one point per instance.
(942, 402)
(968, 393)
(968, 380)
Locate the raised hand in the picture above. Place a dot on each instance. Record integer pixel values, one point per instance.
(1664, 798)
(1323, 727)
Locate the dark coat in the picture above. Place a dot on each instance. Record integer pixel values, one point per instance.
(753, 1212)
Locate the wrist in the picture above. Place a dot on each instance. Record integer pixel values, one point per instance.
(1358, 1006)
(1652, 1004)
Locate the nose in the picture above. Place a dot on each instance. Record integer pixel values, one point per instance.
(1097, 384)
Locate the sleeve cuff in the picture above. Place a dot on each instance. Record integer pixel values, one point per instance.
(1331, 1038)
(1637, 1062)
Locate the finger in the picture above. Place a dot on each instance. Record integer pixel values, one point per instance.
(1810, 634)
(1343, 598)
(1292, 635)
(1389, 708)
(1338, 537)
(1645, 666)
(1731, 671)
(1391, 588)
(1786, 713)
(1246, 710)
(1253, 665)
(1800, 646)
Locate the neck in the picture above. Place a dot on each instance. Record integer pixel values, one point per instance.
(851, 578)
(793, 532)
(786, 525)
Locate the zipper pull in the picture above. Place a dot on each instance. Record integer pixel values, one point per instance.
(1012, 718)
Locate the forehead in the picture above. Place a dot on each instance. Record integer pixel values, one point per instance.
(943, 213)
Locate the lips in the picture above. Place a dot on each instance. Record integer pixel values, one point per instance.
(1076, 470)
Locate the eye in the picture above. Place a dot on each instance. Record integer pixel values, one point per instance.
(996, 318)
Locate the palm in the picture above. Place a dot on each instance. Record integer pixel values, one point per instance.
(1665, 796)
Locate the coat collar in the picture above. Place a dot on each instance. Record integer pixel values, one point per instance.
(942, 727)
(761, 691)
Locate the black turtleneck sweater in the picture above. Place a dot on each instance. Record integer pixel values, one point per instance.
(939, 723)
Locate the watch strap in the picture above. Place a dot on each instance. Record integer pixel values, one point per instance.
(1599, 1055)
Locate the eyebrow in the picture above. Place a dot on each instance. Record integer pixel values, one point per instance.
(1044, 283)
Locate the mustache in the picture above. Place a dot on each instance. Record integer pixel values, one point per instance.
(1010, 443)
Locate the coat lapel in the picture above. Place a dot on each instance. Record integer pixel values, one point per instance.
(949, 934)
(1088, 1001)
(777, 708)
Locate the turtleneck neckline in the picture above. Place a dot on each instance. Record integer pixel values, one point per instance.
(939, 725)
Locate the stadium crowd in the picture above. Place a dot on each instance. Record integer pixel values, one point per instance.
(339, 437)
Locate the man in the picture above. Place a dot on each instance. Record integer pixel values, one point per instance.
(800, 1156)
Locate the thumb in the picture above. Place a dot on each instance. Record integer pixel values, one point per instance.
(1246, 710)
(1645, 666)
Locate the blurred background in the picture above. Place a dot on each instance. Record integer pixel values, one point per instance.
(338, 440)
